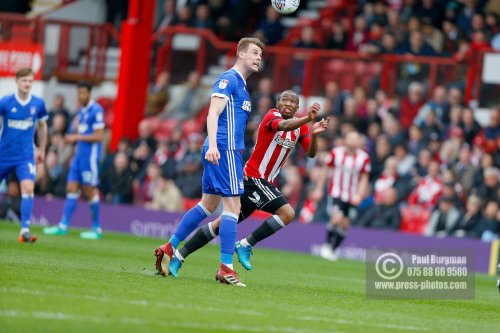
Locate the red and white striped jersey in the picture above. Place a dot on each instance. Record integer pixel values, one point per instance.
(273, 147)
(346, 172)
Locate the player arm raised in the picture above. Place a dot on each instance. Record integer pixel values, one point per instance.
(294, 123)
(317, 128)
(42, 132)
(217, 105)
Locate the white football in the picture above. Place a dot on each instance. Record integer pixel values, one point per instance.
(285, 6)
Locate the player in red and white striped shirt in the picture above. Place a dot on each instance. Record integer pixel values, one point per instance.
(348, 167)
(279, 132)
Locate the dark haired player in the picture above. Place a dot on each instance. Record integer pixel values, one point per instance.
(84, 171)
(279, 132)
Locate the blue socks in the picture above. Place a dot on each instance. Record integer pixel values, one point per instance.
(95, 208)
(227, 233)
(26, 210)
(69, 209)
(190, 221)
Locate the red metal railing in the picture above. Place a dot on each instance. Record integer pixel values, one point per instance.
(316, 67)
(98, 37)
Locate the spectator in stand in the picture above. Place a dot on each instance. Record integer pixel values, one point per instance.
(168, 15)
(470, 126)
(492, 24)
(293, 184)
(337, 40)
(190, 169)
(490, 222)
(387, 179)
(452, 37)
(188, 100)
(145, 136)
(464, 18)
(119, 179)
(62, 150)
(307, 40)
(393, 130)
(166, 197)
(464, 169)
(271, 26)
(415, 140)
(202, 18)
(469, 224)
(59, 109)
(489, 189)
(382, 152)
(141, 156)
(264, 90)
(436, 104)
(184, 17)
(411, 104)
(405, 161)
(491, 133)
(149, 185)
(454, 99)
(428, 189)
(56, 176)
(383, 215)
(444, 220)
(430, 126)
(359, 35)
(350, 114)
(158, 94)
(432, 36)
(432, 11)
(336, 98)
(454, 122)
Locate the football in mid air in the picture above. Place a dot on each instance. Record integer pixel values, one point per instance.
(285, 6)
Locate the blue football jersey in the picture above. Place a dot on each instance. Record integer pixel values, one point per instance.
(17, 127)
(90, 118)
(233, 120)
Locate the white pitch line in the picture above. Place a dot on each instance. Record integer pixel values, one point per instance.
(133, 321)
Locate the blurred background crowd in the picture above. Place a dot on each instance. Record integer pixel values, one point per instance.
(434, 167)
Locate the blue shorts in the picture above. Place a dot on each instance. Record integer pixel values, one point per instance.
(225, 179)
(84, 171)
(25, 170)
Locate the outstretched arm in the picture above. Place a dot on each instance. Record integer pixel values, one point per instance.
(293, 124)
(318, 128)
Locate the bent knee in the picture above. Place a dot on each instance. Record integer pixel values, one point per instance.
(286, 214)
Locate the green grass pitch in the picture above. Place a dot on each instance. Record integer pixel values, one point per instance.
(64, 284)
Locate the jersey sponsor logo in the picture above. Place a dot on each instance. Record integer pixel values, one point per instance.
(247, 106)
(223, 84)
(32, 168)
(256, 199)
(13, 110)
(82, 128)
(20, 124)
(287, 143)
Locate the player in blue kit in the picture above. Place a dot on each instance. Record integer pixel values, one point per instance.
(19, 113)
(84, 170)
(223, 165)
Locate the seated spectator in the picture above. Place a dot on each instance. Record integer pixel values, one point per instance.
(464, 169)
(491, 133)
(411, 104)
(271, 26)
(405, 161)
(489, 190)
(490, 222)
(166, 197)
(415, 141)
(264, 90)
(145, 136)
(444, 220)
(430, 126)
(432, 36)
(119, 177)
(469, 224)
(454, 122)
(382, 152)
(383, 215)
(336, 98)
(60, 111)
(190, 169)
(452, 37)
(56, 175)
(148, 186)
(158, 94)
(428, 189)
(168, 15)
(188, 99)
(386, 180)
(139, 160)
(337, 40)
(184, 17)
(359, 35)
(202, 18)
(436, 104)
(470, 126)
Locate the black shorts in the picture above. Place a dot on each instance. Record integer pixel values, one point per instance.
(260, 195)
(335, 206)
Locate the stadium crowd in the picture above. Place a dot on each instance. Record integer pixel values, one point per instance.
(434, 168)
